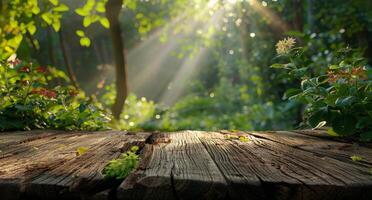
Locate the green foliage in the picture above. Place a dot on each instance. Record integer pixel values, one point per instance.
(21, 18)
(121, 167)
(211, 113)
(93, 11)
(135, 112)
(28, 100)
(338, 96)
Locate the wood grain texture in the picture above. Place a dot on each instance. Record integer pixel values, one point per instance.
(180, 168)
(51, 164)
(318, 175)
(289, 165)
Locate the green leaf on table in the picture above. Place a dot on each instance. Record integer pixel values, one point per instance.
(356, 158)
(81, 150)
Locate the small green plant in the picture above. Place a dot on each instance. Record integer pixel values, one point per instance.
(121, 167)
(36, 97)
(356, 158)
(338, 96)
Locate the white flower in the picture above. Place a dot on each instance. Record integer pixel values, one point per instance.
(285, 45)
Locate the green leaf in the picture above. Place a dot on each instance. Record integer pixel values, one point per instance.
(105, 22)
(318, 116)
(366, 136)
(81, 150)
(47, 18)
(291, 92)
(82, 108)
(344, 125)
(295, 34)
(277, 66)
(82, 12)
(334, 67)
(356, 158)
(35, 10)
(85, 42)
(87, 21)
(344, 101)
(56, 25)
(331, 132)
(134, 149)
(244, 139)
(54, 2)
(61, 8)
(31, 28)
(80, 33)
(100, 7)
(343, 64)
(131, 4)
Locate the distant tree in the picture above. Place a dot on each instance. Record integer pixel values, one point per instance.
(107, 13)
(113, 8)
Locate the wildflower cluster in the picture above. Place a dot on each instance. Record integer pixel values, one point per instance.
(350, 75)
(45, 92)
(285, 45)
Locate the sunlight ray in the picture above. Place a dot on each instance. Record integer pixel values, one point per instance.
(274, 20)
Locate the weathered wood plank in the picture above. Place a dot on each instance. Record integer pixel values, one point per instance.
(11, 138)
(180, 169)
(277, 164)
(185, 165)
(324, 148)
(51, 164)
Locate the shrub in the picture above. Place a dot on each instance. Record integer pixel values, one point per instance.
(29, 101)
(339, 96)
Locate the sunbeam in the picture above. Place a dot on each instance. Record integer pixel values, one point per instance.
(273, 19)
(153, 61)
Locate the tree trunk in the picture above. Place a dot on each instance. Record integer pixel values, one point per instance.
(113, 8)
(70, 70)
(52, 55)
(299, 13)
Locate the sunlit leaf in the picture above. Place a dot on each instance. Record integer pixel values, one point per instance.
(81, 150)
(82, 12)
(105, 22)
(244, 139)
(54, 2)
(56, 25)
(80, 33)
(31, 28)
(61, 8)
(87, 21)
(100, 7)
(85, 42)
(356, 158)
(47, 18)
